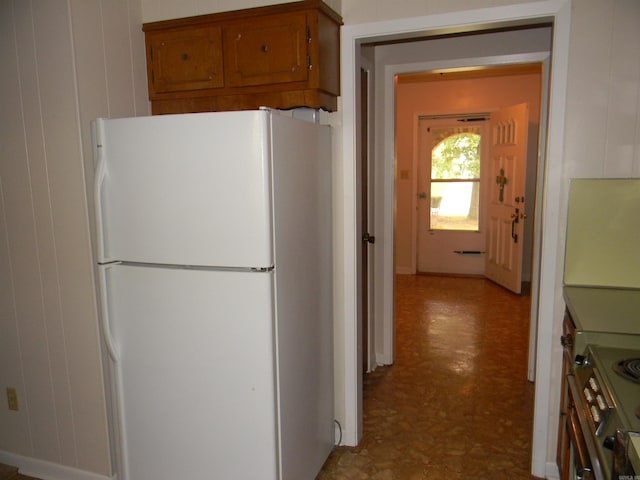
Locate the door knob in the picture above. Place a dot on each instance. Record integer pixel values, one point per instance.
(366, 238)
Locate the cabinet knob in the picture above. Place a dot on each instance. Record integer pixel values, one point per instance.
(566, 340)
(184, 56)
(264, 48)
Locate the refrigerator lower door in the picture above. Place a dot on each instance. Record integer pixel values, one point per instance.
(193, 359)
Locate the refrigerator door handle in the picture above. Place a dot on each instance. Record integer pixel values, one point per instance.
(116, 371)
(104, 315)
(100, 174)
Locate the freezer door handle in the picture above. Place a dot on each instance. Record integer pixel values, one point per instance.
(98, 181)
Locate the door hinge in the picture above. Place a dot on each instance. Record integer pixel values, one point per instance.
(308, 34)
(309, 64)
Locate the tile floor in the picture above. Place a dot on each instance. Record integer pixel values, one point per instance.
(456, 404)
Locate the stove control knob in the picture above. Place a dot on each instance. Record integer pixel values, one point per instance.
(581, 360)
(588, 395)
(609, 441)
(595, 414)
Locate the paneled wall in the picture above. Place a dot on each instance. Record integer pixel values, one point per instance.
(64, 62)
(154, 10)
(603, 98)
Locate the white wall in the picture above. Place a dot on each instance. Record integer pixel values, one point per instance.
(63, 64)
(366, 11)
(603, 98)
(155, 10)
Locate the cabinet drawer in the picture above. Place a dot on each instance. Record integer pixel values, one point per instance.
(184, 59)
(267, 50)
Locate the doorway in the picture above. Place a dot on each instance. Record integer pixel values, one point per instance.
(349, 399)
(395, 207)
(429, 105)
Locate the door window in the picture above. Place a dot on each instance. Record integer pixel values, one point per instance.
(455, 179)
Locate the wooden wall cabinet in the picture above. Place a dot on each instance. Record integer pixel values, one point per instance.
(280, 56)
(185, 59)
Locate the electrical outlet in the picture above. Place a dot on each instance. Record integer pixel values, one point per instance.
(12, 399)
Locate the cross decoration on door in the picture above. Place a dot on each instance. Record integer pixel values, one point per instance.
(501, 180)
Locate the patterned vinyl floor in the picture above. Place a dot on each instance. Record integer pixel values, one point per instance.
(457, 403)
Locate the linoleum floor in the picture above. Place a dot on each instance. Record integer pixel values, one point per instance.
(456, 404)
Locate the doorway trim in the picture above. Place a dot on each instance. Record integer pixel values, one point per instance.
(349, 377)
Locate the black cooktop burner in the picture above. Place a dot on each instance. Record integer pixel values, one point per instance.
(629, 369)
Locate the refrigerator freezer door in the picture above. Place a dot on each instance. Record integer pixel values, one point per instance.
(184, 189)
(193, 356)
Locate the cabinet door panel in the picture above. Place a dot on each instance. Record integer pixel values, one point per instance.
(266, 51)
(185, 59)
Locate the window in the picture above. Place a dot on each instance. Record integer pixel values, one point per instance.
(455, 179)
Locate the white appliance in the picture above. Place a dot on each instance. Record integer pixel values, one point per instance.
(214, 265)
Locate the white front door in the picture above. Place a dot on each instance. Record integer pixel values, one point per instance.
(450, 237)
(508, 160)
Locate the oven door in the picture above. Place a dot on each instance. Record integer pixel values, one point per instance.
(585, 462)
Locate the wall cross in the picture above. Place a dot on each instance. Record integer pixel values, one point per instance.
(501, 180)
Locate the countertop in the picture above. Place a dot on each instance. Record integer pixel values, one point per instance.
(597, 309)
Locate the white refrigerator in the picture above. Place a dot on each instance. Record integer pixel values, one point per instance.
(215, 291)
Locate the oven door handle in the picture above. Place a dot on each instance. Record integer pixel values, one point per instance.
(584, 472)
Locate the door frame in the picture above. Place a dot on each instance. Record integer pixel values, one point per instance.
(367, 221)
(348, 377)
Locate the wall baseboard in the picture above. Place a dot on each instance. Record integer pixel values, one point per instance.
(404, 271)
(34, 467)
(551, 471)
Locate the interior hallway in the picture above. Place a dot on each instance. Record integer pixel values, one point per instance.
(456, 404)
